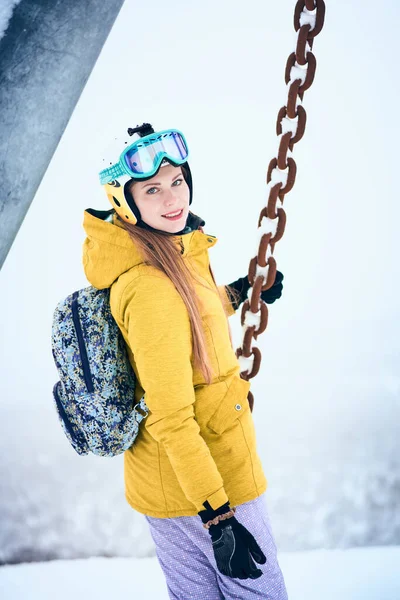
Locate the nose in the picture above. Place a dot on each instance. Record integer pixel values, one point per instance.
(169, 198)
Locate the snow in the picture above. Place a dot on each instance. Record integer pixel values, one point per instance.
(6, 10)
(354, 574)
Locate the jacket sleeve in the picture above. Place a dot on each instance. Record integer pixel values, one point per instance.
(159, 335)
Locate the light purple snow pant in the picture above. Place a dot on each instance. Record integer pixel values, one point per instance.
(185, 554)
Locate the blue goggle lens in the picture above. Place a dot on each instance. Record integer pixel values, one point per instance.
(144, 155)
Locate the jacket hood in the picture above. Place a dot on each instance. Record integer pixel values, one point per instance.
(108, 250)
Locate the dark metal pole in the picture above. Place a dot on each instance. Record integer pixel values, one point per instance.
(46, 57)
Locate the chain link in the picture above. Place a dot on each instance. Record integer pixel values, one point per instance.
(300, 70)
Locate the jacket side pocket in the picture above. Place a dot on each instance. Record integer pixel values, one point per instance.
(233, 405)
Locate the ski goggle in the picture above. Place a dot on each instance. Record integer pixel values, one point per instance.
(142, 158)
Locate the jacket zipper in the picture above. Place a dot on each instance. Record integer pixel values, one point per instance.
(82, 348)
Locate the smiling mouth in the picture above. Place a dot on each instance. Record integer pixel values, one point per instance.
(174, 215)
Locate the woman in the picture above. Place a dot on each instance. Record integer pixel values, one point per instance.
(194, 470)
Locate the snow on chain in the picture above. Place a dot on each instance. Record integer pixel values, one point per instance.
(246, 364)
(263, 271)
(298, 72)
(251, 319)
(267, 226)
(278, 176)
(287, 124)
(308, 18)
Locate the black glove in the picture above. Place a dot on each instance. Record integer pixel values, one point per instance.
(233, 545)
(242, 285)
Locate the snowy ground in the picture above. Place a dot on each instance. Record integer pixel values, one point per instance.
(355, 574)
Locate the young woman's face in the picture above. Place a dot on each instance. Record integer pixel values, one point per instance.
(164, 194)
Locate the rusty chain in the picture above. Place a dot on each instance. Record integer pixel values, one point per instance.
(299, 75)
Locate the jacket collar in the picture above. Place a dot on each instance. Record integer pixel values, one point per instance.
(108, 250)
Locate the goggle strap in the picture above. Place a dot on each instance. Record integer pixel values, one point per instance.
(111, 173)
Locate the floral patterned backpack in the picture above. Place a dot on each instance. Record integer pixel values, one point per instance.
(94, 397)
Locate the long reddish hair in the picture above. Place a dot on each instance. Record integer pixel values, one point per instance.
(159, 250)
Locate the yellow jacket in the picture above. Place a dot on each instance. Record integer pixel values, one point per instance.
(198, 441)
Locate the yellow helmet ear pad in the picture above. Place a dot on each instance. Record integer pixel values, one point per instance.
(116, 196)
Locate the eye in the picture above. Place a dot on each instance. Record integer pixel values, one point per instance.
(177, 181)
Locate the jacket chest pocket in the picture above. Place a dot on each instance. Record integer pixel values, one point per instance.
(233, 405)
